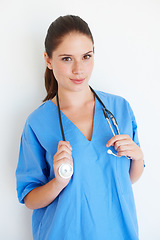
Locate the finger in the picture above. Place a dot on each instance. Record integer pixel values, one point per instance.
(121, 144)
(57, 164)
(127, 153)
(63, 148)
(64, 143)
(62, 155)
(116, 138)
(124, 148)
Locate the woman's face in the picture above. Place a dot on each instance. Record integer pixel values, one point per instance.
(72, 62)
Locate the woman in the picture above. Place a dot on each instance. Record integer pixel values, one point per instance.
(96, 202)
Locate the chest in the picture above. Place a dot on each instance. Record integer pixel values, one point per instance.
(82, 118)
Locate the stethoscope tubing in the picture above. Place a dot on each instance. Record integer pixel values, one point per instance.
(106, 112)
(60, 119)
(66, 170)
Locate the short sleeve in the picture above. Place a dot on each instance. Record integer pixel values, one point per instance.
(134, 127)
(31, 168)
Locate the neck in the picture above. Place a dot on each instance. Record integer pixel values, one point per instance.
(76, 99)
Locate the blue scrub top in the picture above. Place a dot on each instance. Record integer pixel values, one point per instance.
(98, 202)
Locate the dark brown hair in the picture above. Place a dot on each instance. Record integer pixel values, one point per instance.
(56, 32)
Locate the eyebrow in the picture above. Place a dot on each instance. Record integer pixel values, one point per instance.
(68, 55)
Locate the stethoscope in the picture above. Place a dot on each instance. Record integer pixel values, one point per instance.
(66, 170)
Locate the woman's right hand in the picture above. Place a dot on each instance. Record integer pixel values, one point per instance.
(63, 155)
(43, 195)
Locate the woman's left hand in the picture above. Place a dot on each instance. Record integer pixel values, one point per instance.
(125, 146)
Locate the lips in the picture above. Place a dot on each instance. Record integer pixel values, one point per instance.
(77, 81)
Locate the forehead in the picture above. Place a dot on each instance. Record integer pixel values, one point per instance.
(74, 43)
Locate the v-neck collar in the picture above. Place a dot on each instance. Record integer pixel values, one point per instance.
(68, 123)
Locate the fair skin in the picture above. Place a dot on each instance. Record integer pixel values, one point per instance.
(72, 64)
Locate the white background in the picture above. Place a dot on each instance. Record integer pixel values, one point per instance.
(127, 63)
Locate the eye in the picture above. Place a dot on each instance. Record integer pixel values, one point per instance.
(66, 59)
(87, 56)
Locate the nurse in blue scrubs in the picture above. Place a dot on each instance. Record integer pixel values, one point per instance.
(97, 201)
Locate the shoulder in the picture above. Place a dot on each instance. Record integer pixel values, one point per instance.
(116, 104)
(41, 117)
(41, 123)
(111, 98)
(41, 113)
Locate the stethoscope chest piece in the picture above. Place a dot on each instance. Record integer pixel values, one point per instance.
(66, 170)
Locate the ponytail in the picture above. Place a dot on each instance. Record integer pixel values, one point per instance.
(50, 84)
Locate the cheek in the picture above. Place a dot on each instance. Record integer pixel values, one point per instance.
(90, 66)
(60, 70)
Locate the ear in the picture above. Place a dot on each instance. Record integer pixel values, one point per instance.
(47, 60)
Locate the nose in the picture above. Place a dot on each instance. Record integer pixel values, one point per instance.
(77, 68)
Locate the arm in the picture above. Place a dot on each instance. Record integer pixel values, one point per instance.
(136, 170)
(42, 196)
(125, 146)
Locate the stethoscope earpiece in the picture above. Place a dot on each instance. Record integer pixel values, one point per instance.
(66, 170)
(111, 153)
